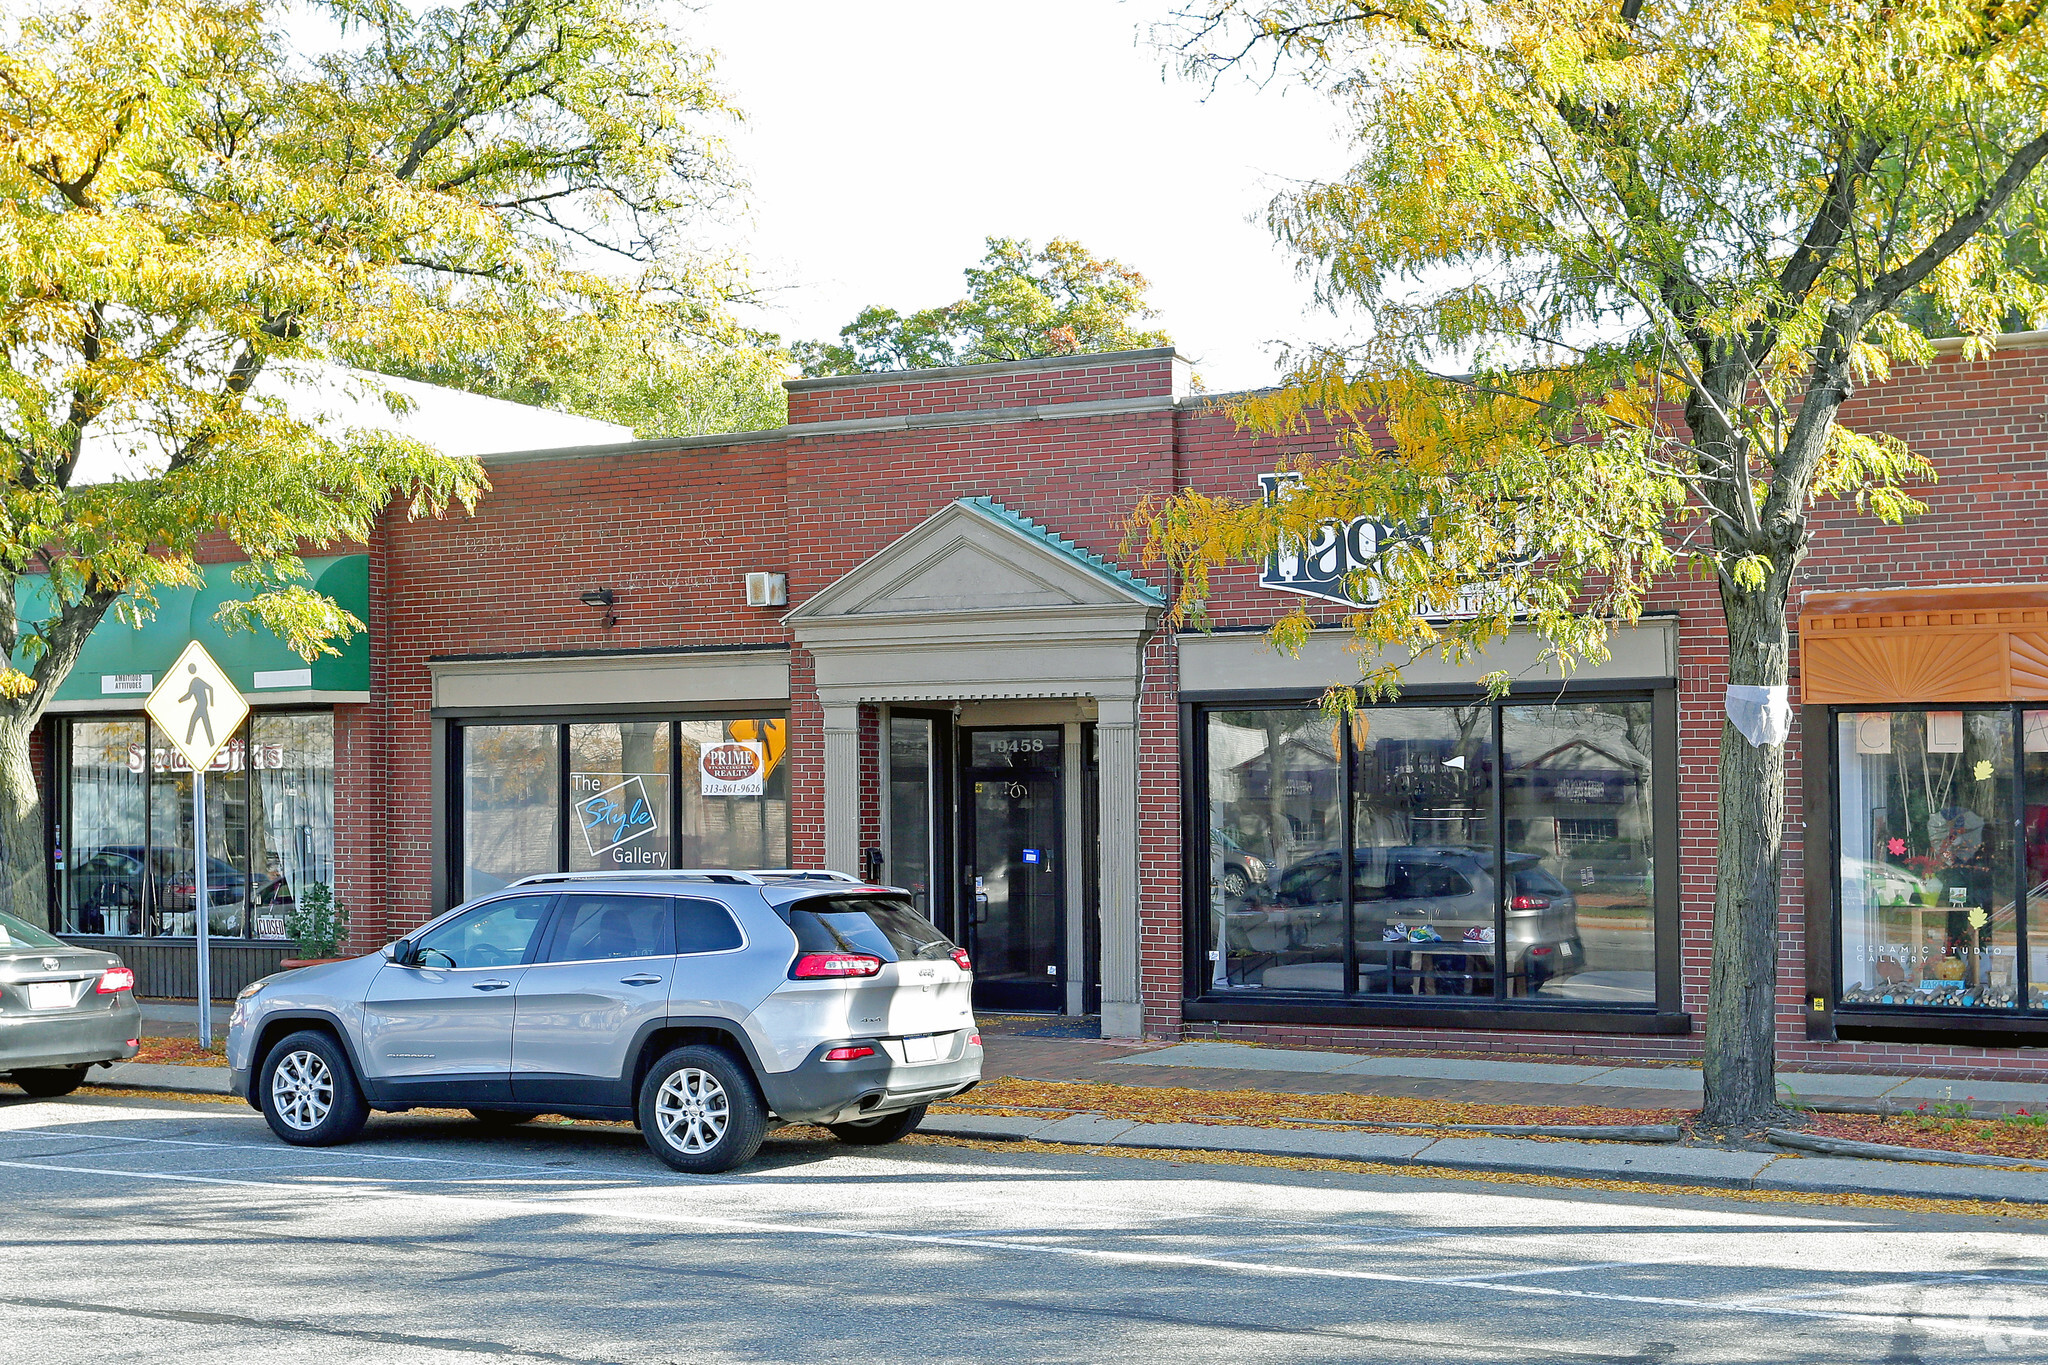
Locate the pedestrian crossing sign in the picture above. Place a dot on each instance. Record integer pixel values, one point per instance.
(196, 707)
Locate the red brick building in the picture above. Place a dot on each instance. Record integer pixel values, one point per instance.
(951, 674)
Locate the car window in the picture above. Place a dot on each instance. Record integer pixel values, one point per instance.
(705, 927)
(887, 929)
(19, 933)
(1312, 883)
(1537, 881)
(1424, 881)
(594, 926)
(494, 935)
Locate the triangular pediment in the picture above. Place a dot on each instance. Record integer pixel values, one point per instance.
(975, 556)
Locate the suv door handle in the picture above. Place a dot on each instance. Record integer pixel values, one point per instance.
(643, 979)
(490, 985)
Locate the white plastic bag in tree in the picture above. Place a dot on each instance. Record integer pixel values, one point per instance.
(1762, 714)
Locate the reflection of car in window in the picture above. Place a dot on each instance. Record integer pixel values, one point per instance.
(1448, 889)
(1235, 870)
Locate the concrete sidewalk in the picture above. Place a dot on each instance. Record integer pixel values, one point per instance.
(1631, 1162)
(1239, 1066)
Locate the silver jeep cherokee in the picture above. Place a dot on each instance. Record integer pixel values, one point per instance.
(709, 1006)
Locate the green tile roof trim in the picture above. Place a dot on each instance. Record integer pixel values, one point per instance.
(256, 661)
(1094, 563)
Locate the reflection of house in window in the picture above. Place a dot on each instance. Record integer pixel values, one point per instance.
(1580, 792)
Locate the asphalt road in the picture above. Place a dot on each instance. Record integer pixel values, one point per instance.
(163, 1232)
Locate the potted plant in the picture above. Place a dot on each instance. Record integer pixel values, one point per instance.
(319, 923)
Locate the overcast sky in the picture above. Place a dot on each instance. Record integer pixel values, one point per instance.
(886, 139)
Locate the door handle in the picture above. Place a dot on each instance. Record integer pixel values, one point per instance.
(490, 985)
(643, 979)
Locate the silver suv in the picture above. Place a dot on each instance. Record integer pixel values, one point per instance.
(708, 1006)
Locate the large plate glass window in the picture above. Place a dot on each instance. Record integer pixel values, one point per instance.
(1576, 799)
(1471, 852)
(124, 847)
(1929, 880)
(631, 795)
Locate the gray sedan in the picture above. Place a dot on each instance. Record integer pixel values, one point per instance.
(61, 1009)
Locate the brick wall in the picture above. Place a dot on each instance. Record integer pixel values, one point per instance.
(672, 533)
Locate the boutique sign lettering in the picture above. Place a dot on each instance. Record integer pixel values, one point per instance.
(1319, 566)
(617, 814)
(733, 768)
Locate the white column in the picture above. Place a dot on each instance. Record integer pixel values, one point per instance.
(842, 788)
(1116, 735)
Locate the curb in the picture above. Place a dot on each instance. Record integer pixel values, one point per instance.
(1768, 1172)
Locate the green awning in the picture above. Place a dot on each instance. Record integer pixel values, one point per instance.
(121, 663)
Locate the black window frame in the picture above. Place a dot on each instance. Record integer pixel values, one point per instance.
(1665, 1015)
(1827, 1018)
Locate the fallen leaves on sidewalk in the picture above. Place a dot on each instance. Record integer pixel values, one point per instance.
(2015, 1135)
(181, 1052)
(1263, 1108)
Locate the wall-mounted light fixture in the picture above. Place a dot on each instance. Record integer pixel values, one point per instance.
(603, 597)
(767, 590)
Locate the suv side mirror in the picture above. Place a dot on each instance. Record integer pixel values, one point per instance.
(399, 952)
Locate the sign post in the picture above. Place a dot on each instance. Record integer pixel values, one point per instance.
(198, 710)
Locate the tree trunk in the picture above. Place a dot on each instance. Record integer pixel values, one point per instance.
(24, 860)
(1741, 1034)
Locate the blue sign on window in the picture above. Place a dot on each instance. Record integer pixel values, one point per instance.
(1031, 855)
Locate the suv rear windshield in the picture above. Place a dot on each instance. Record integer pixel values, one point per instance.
(890, 930)
(1536, 881)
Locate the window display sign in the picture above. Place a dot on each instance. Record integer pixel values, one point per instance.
(618, 814)
(733, 768)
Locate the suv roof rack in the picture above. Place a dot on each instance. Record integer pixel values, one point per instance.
(733, 876)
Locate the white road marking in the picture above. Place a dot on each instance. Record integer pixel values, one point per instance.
(1566, 1269)
(412, 1199)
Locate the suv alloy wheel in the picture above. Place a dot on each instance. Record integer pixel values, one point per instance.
(700, 1112)
(309, 1093)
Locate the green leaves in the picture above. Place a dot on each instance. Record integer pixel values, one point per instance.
(1624, 263)
(1021, 303)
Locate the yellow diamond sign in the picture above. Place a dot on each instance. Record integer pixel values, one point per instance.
(196, 707)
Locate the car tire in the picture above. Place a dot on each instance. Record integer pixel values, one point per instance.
(48, 1082)
(700, 1110)
(876, 1132)
(308, 1091)
(503, 1118)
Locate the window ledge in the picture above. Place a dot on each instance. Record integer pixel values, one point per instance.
(1362, 1012)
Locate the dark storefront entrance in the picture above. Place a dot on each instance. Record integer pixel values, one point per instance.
(978, 833)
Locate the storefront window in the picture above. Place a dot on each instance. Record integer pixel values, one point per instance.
(619, 797)
(1928, 877)
(1477, 852)
(913, 807)
(511, 804)
(1577, 806)
(1276, 869)
(2034, 828)
(621, 800)
(291, 821)
(128, 867)
(1422, 865)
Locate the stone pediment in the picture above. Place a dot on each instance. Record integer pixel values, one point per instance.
(971, 557)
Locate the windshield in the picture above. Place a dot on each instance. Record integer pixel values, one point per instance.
(19, 933)
(887, 929)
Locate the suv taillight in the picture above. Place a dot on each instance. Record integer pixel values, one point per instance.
(115, 979)
(1531, 902)
(960, 956)
(835, 964)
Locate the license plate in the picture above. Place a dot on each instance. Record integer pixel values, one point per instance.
(49, 995)
(922, 1048)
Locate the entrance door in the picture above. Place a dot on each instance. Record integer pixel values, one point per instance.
(1014, 872)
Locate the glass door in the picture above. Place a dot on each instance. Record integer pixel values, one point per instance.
(1014, 874)
(919, 806)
